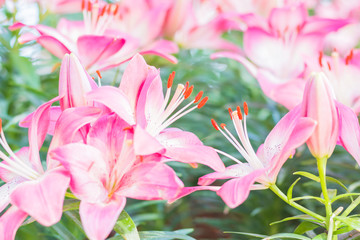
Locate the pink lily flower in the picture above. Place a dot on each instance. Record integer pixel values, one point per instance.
(151, 113)
(105, 171)
(93, 40)
(198, 24)
(277, 50)
(261, 167)
(29, 188)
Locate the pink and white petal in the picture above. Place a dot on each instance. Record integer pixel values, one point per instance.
(74, 83)
(53, 45)
(145, 144)
(88, 170)
(287, 18)
(10, 222)
(299, 135)
(93, 48)
(133, 78)
(102, 136)
(69, 128)
(150, 100)
(6, 189)
(162, 48)
(37, 132)
(323, 25)
(98, 219)
(115, 99)
(186, 147)
(236, 191)
(150, 181)
(188, 190)
(349, 131)
(261, 48)
(288, 94)
(233, 171)
(43, 198)
(54, 116)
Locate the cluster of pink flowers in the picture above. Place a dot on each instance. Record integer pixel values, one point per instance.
(112, 143)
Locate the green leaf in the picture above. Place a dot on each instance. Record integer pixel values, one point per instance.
(126, 227)
(331, 179)
(276, 236)
(290, 190)
(162, 235)
(248, 234)
(321, 236)
(354, 223)
(63, 232)
(299, 217)
(321, 200)
(166, 235)
(303, 227)
(343, 196)
(308, 175)
(287, 236)
(71, 204)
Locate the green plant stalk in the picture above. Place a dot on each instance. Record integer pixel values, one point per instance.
(351, 207)
(321, 163)
(281, 195)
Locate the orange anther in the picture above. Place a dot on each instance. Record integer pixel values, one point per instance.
(198, 96)
(0, 124)
(82, 4)
(238, 110)
(170, 79)
(246, 108)
(188, 92)
(186, 86)
(349, 57)
(127, 128)
(98, 73)
(116, 9)
(329, 66)
(230, 112)
(320, 58)
(203, 101)
(215, 125)
(89, 6)
(223, 125)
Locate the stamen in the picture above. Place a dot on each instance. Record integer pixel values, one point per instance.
(98, 73)
(194, 165)
(202, 102)
(82, 5)
(230, 113)
(188, 92)
(215, 125)
(349, 57)
(170, 79)
(238, 110)
(320, 58)
(0, 124)
(329, 66)
(198, 96)
(246, 109)
(223, 125)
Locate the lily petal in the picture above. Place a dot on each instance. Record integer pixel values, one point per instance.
(10, 221)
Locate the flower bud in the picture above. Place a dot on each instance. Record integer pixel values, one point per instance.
(319, 104)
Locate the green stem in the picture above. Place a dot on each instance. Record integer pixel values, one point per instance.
(281, 195)
(351, 207)
(321, 163)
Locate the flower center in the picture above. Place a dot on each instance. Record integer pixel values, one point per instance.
(243, 146)
(12, 162)
(96, 17)
(168, 112)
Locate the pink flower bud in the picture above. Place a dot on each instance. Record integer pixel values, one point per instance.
(319, 104)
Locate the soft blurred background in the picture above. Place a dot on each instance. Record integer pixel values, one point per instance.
(29, 77)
